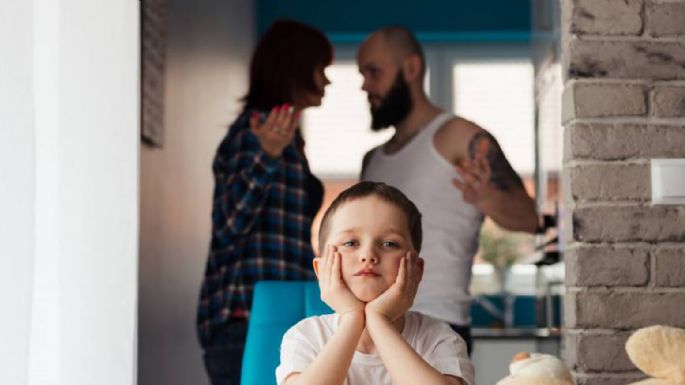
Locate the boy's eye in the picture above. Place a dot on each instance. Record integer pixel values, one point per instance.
(349, 243)
(392, 244)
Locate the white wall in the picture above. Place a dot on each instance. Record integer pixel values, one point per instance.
(17, 187)
(208, 51)
(69, 196)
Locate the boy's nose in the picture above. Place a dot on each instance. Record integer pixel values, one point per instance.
(368, 256)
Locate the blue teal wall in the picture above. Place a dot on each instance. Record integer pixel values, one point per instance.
(431, 20)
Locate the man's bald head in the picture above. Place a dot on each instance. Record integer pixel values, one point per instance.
(393, 66)
(401, 42)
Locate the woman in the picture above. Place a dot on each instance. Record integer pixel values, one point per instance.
(265, 197)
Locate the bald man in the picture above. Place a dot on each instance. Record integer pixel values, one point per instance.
(452, 169)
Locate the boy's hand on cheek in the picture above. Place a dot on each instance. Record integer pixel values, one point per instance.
(399, 297)
(334, 291)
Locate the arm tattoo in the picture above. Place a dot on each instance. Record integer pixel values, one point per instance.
(503, 176)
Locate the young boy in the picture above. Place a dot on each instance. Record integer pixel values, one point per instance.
(368, 273)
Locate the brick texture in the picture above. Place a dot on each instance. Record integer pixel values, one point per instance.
(623, 104)
(610, 182)
(624, 310)
(629, 224)
(591, 100)
(665, 19)
(599, 352)
(607, 266)
(606, 380)
(625, 59)
(670, 267)
(607, 17)
(607, 141)
(669, 101)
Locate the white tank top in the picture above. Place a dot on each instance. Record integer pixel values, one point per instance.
(451, 226)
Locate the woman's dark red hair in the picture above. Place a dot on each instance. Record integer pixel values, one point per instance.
(284, 62)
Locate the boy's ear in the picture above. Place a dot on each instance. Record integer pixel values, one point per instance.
(315, 265)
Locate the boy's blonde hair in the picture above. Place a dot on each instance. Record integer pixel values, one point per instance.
(383, 191)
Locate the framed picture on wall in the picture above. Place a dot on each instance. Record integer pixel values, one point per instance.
(153, 26)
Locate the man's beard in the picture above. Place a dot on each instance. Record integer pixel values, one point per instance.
(394, 107)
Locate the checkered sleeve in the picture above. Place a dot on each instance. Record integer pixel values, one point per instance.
(243, 172)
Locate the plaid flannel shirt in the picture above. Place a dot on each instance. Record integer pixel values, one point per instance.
(261, 226)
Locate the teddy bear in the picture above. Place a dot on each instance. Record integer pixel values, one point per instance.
(658, 351)
(537, 369)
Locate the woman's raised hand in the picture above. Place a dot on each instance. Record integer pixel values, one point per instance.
(277, 131)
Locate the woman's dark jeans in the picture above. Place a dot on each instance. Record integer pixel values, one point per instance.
(224, 354)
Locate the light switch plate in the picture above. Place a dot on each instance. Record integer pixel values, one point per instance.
(668, 181)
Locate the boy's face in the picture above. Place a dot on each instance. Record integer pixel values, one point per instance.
(372, 236)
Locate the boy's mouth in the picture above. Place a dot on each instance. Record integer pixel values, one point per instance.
(367, 273)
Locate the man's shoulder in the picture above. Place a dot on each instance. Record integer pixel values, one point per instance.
(367, 159)
(453, 137)
(458, 128)
(370, 152)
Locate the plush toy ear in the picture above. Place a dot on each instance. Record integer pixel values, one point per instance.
(520, 356)
(659, 351)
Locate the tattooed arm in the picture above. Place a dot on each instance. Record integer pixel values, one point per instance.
(490, 183)
(502, 175)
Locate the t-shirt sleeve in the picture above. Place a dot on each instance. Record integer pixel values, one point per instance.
(446, 352)
(298, 351)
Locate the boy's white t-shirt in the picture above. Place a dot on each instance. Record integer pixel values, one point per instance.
(433, 340)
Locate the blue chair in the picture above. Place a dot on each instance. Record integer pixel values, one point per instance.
(276, 306)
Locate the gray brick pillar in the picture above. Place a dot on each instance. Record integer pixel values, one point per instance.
(623, 104)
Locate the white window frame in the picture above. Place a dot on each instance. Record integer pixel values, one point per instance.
(441, 57)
